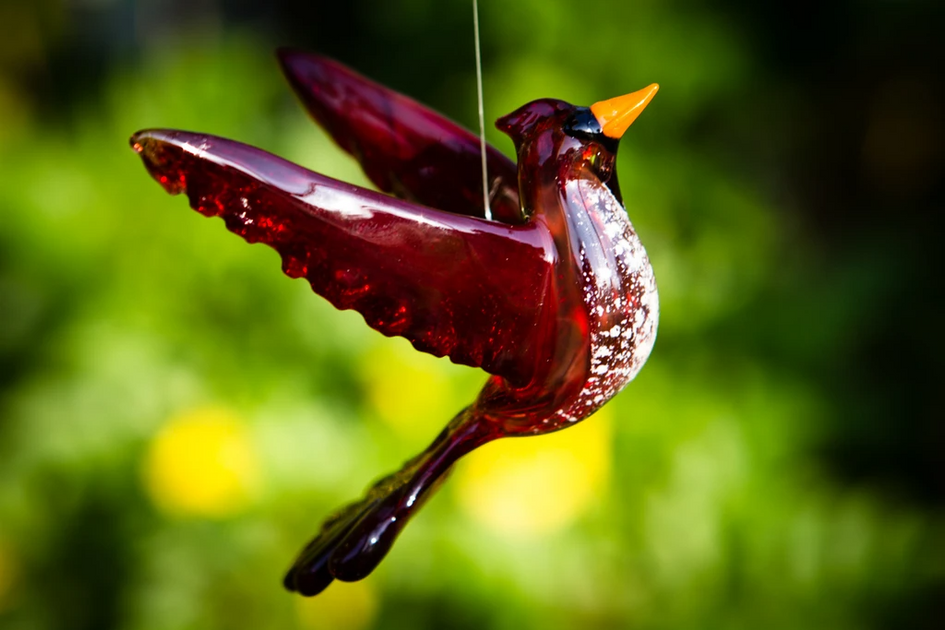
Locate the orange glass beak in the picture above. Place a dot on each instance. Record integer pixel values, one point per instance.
(615, 115)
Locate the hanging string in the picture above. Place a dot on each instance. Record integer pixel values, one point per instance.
(482, 115)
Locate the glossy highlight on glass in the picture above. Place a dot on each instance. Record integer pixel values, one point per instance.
(554, 296)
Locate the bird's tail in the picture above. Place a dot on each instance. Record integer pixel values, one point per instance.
(356, 538)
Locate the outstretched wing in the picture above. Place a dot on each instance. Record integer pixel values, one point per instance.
(467, 288)
(405, 148)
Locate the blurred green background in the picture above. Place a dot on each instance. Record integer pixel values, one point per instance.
(176, 416)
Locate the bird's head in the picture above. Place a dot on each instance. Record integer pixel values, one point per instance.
(584, 137)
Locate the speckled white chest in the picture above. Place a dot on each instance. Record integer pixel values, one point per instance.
(619, 294)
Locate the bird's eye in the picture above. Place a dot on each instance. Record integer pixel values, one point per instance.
(583, 124)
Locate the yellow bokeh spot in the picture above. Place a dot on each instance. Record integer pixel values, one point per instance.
(409, 391)
(202, 463)
(344, 606)
(537, 485)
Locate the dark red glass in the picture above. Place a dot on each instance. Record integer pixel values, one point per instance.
(555, 297)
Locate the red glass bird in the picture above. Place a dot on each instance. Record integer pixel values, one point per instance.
(554, 296)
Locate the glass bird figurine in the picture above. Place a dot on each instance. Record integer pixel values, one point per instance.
(553, 296)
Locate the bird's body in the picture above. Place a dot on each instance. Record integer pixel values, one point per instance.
(555, 297)
(603, 302)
